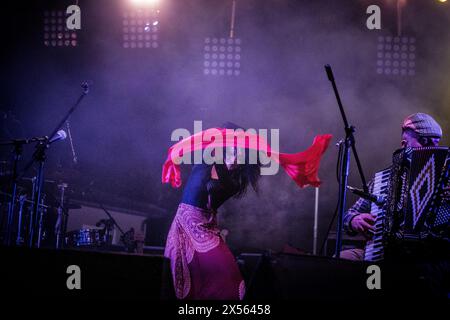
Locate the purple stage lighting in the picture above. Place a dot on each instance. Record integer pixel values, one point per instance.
(144, 2)
(222, 56)
(56, 33)
(141, 29)
(396, 56)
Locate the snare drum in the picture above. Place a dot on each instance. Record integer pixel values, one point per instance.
(85, 238)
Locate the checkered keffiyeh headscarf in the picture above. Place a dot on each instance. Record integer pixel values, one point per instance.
(422, 124)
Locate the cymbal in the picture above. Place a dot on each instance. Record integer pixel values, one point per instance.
(45, 180)
(64, 174)
(72, 206)
(68, 206)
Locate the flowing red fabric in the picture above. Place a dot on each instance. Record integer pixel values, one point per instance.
(302, 167)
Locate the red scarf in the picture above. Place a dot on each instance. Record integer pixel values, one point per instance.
(302, 167)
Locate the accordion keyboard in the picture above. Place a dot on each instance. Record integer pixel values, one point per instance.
(374, 249)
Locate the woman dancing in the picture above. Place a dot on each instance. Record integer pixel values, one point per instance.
(202, 265)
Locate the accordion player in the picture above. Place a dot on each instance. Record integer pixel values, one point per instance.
(417, 194)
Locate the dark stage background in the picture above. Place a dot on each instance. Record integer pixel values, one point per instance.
(121, 131)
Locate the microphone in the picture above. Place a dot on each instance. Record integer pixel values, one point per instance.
(378, 200)
(60, 135)
(86, 85)
(329, 72)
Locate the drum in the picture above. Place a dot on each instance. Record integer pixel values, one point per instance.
(85, 238)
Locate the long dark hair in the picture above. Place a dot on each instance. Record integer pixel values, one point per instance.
(244, 174)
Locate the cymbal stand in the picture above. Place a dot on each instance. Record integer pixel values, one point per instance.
(19, 238)
(18, 149)
(61, 219)
(42, 212)
(31, 213)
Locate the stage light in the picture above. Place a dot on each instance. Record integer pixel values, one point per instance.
(442, 1)
(222, 56)
(56, 33)
(141, 29)
(396, 56)
(144, 2)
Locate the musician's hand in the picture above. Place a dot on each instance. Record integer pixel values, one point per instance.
(363, 223)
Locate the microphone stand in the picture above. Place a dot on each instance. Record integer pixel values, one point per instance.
(39, 157)
(18, 149)
(347, 145)
(114, 222)
(111, 218)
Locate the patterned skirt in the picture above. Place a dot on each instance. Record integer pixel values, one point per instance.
(202, 265)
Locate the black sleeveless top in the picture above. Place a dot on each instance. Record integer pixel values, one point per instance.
(200, 185)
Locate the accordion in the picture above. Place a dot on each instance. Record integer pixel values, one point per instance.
(416, 204)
